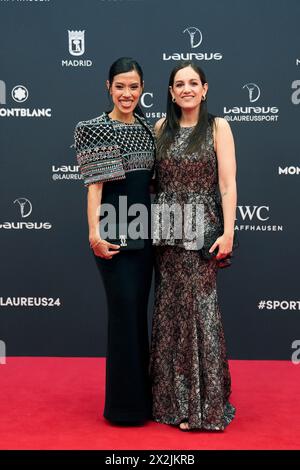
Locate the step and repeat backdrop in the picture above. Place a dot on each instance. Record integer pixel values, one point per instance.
(55, 56)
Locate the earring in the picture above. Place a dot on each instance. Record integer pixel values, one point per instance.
(174, 100)
(203, 97)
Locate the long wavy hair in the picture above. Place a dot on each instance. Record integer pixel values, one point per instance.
(123, 65)
(171, 125)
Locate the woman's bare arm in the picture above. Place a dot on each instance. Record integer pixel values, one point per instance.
(225, 150)
(100, 247)
(94, 197)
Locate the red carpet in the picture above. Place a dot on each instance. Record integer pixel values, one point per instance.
(56, 403)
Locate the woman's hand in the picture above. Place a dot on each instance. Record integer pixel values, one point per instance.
(104, 249)
(224, 245)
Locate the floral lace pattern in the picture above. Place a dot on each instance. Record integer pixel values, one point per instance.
(187, 180)
(188, 365)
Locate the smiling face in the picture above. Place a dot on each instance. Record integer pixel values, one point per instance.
(187, 88)
(125, 91)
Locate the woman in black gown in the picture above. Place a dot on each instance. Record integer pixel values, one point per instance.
(115, 152)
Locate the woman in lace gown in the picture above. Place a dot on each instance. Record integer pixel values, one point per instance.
(195, 164)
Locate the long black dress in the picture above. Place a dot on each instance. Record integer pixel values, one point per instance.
(122, 156)
(189, 368)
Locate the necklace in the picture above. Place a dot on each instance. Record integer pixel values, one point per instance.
(187, 127)
(123, 122)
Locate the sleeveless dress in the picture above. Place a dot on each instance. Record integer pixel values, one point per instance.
(122, 157)
(188, 365)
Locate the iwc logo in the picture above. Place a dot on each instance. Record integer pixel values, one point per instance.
(255, 219)
(195, 39)
(147, 103)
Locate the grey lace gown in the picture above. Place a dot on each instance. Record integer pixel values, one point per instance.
(188, 365)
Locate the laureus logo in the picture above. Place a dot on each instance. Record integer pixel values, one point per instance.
(76, 42)
(253, 91)
(252, 112)
(25, 206)
(195, 36)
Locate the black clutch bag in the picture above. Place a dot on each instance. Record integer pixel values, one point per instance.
(121, 237)
(213, 232)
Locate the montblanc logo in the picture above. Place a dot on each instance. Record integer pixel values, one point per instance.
(19, 94)
(195, 39)
(295, 98)
(24, 210)
(289, 170)
(147, 103)
(76, 44)
(251, 112)
(255, 218)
